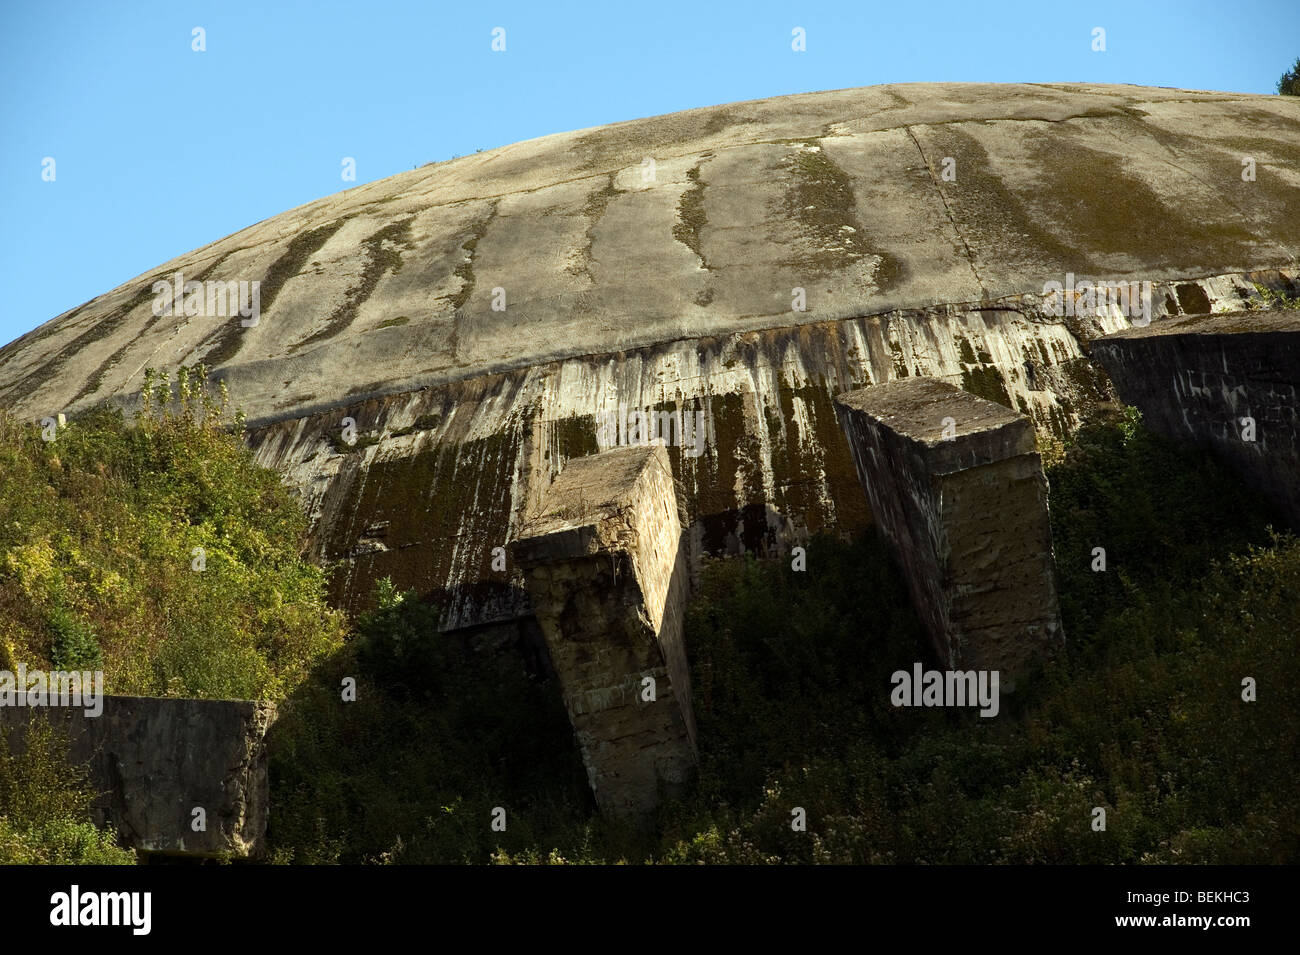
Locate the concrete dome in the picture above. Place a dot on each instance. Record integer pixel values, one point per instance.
(921, 221)
(389, 286)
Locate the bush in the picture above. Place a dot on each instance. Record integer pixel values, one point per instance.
(45, 806)
(74, 646)
(100, 532)
(440, 734)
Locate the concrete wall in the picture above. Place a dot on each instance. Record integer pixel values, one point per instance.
(957, 487)
(605, 568)
(153, 761)
(454, 469)
(1195, 379)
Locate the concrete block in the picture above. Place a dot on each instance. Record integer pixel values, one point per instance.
(604, 563)
(1225, 383)
(957, 487)
(154, 761)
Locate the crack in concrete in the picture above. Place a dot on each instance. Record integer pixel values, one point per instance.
(970, 256)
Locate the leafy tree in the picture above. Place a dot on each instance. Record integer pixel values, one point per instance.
(1289, 84)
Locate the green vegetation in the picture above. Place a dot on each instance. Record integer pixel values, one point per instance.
(1289, 83)
(1141, 713)
(1274, 298)
(45, 806)
(439, 735)
(100, 531)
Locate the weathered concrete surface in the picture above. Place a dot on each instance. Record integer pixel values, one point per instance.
(454, 467)
(153, 761)
(677, 293)
(389, 286)
(957, 487)
(604, 562)
(1196, 378)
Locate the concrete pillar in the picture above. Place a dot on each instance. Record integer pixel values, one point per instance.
(155, 761)
(603, 560)
(957, 487)
(1226, 383)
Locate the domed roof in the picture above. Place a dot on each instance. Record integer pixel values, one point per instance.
(700, 223)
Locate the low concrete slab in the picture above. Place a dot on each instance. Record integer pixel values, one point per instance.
(956, 485)
(605, 568)
(1226, 383)
(155, 761)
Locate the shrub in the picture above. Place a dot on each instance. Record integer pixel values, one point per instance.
(100, 531)
(45, 805)
(1141, 714)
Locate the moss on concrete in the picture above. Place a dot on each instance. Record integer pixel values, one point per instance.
(966, 353)
(383, 252)
(592, 212)
(691, 218)
(821, 201)
(1093, 191)
(991, 214)
(986, 382)
(1192, 299)
(290, 262)
(574, 437)
(446, 507)
(465, 270)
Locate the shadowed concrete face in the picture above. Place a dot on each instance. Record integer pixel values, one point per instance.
(155, 761)
(957, 487)
(604, 564)
(1228, 383)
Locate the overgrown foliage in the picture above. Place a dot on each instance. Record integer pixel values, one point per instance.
(439, 735)
(158, 550)
(100, 532)
(1141, 714)
(45, 805)
(1275, 298)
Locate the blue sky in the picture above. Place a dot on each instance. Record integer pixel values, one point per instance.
(159, 149)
